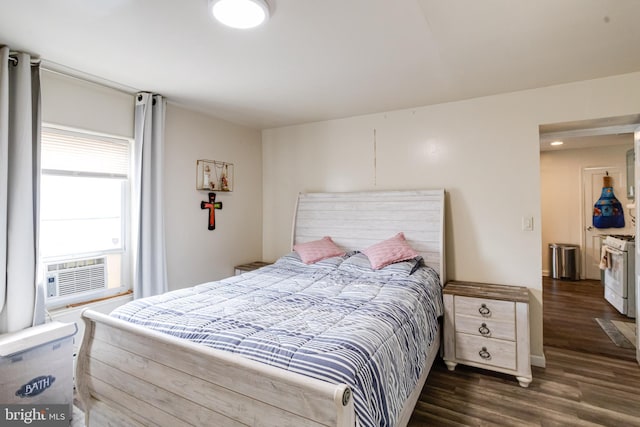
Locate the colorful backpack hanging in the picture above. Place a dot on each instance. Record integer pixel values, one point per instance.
(607, 211)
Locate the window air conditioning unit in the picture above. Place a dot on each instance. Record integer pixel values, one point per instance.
(75, 277)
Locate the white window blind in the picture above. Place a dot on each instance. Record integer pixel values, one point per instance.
(82, 154)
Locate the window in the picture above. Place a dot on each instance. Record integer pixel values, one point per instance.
(84, 215)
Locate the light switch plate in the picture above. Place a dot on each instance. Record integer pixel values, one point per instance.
(527, 223)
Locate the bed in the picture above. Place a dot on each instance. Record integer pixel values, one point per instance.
(268, 365)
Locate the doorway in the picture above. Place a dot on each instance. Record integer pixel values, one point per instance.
(571, 176)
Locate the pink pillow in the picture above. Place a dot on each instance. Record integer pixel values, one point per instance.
(317, 250)
(388, 251)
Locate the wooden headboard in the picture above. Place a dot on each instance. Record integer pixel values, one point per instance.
(355, 221)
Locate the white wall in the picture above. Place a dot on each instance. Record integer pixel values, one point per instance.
(195, 254)
(76, 103)
(561, 188)
(484, 151)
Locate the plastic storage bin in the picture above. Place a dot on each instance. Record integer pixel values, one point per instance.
(563, 261)
(36, 365)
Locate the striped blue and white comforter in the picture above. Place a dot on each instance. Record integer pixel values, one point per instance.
(336, 320)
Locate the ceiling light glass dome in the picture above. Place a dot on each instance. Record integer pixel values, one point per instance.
(240, 14)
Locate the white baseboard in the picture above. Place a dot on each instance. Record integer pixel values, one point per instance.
(538, 360)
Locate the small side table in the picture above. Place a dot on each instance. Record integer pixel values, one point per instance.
(239, 269)
(487, 326)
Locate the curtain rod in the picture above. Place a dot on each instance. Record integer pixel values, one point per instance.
(65, 71)
(75, 74)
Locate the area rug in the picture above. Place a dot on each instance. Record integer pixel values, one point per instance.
(623, 334)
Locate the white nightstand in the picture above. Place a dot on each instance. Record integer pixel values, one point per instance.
(239, 269)
(487, 326)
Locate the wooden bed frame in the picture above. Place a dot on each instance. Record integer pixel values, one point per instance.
(128, 375)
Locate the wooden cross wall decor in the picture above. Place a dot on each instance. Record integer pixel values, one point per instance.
(212, 205)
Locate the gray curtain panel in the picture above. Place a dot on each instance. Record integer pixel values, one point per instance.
(149, 264)
(19, 188)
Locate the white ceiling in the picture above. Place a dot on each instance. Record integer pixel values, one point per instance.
(323, 59)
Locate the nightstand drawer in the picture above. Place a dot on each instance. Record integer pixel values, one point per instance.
(483, 308)
(487, 351)
(486, 327)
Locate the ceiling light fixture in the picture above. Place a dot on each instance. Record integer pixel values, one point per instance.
(240, 14)
(554, 143)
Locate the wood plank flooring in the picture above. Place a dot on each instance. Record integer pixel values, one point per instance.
(569, 311)
(588, 381)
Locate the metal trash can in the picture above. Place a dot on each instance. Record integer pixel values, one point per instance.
(563, 259)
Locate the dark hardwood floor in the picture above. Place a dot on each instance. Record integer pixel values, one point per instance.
(588, 380)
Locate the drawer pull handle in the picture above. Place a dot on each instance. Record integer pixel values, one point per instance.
(484, 354)
(484, 311)
(484, 330)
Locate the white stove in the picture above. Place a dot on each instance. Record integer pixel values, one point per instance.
(619, 275)
(620, 241)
